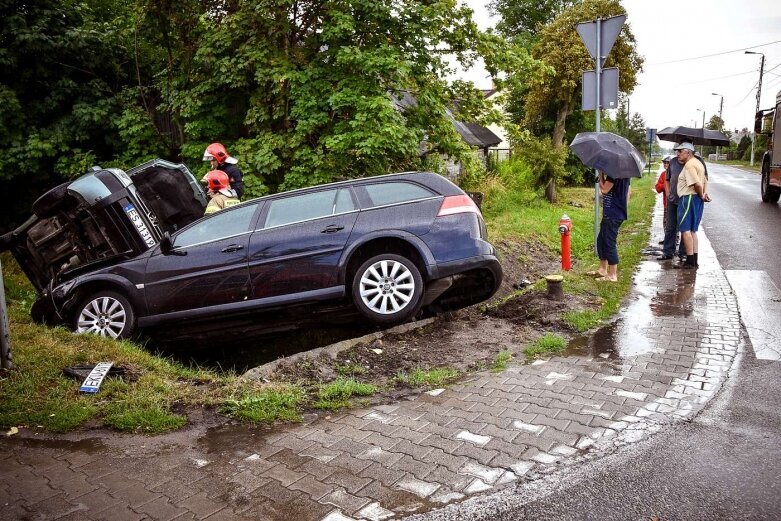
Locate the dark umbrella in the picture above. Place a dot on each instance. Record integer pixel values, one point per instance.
(697, 136)
(609, 153)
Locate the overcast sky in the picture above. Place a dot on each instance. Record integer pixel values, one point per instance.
(672, 35)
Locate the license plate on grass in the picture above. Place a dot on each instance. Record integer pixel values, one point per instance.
(95, 377)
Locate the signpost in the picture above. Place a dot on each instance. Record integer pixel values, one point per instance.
(599, 37)
(650, 134)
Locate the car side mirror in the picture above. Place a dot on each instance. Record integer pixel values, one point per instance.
(167, 246)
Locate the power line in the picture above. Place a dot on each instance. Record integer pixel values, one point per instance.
(719, 78)
(716, 54)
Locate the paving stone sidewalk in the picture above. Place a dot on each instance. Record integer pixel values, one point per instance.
(666, 358)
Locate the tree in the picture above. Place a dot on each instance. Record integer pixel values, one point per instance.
(522, 19)
(302, 91)
(715, 123)
(743, 145)
(560, 46)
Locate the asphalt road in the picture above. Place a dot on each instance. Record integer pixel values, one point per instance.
(744, 231)
(726, 463)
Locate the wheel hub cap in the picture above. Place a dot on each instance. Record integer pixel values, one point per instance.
(387, 287)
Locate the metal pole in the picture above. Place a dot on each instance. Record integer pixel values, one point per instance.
(703, 131)
(6, 361)
(598, 70)
(759, 94)
(721, 124)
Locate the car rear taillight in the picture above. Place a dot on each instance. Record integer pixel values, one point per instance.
(454, 204)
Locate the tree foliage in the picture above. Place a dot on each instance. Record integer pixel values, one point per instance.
(522, 19)
(301, 91)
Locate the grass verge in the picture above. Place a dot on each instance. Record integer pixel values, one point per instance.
(547, 344)
(501, 361)
(337, 394)
(427, 378)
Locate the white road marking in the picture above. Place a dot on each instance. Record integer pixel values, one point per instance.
(759, 301)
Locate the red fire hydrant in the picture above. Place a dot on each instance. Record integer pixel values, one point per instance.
(565, 228)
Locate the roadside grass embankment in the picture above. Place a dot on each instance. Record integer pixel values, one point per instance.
(155, 392)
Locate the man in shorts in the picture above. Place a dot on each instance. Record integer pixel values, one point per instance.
(693, 194)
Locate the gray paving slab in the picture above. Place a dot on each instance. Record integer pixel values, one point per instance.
(679, 336)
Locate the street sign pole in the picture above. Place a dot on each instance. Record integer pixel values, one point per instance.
(598, 37)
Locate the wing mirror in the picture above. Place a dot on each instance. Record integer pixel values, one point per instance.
(167, 246)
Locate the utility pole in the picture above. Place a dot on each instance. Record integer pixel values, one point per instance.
(759, 94)
(703, 127)
(721, 121)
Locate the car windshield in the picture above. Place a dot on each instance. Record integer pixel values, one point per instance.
(90, 188)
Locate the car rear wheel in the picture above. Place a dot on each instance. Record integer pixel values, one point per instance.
(105, 313)
(388, 289)
(770, 194)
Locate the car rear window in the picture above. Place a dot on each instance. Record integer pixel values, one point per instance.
(309, 206)
(382, 194)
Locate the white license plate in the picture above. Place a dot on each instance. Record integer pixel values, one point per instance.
(138, 222)
(95, 377)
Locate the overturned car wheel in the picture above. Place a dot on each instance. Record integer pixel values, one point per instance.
(105, 313)
(388, 289)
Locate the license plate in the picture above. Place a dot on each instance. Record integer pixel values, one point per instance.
(138, 222)
(95, 377)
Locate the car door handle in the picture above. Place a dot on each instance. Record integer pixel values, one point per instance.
(332, 228)
(232, 247)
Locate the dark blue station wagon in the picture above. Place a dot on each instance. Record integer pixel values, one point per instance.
(391, 246)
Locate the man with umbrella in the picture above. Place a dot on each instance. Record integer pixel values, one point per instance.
(693, 194)
(617, 161)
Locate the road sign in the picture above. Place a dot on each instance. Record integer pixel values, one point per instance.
(650, 134)
(609, 29)
(608, 91)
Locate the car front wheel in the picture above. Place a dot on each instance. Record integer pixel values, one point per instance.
(388, 289)
(105, 313)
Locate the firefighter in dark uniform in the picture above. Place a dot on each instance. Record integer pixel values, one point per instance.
(221, 160)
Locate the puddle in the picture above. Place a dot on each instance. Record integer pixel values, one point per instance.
(657, 293)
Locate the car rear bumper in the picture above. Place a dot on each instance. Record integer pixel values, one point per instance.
(485, 262)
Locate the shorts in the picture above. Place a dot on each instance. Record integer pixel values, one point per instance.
(607, 240)
(690, 209)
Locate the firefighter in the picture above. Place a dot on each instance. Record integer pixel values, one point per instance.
(219, 158)
(220, 193)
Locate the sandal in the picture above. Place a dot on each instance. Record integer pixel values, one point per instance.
(594, 274)
(605, 279)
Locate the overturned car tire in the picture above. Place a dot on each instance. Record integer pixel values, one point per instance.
(105, 313)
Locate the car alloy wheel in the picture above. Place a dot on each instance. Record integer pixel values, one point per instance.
(106, 314)
(388, 288)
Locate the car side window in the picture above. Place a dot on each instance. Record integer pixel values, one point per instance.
(382, 194)
(224, 223)
(309, 206)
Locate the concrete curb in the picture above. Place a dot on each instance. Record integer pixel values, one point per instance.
(263, 372)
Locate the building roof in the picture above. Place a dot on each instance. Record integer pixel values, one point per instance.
(475, 135)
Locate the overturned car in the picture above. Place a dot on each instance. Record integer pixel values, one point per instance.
(114, 251)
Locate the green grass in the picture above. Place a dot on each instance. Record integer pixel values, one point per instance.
(275, 403)
(427, 378)
(549, 343)
(350, 369)
(337, 394)
(501, 360)
(742, 164)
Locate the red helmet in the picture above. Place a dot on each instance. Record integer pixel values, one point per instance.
(217, 152)
(217, 180)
